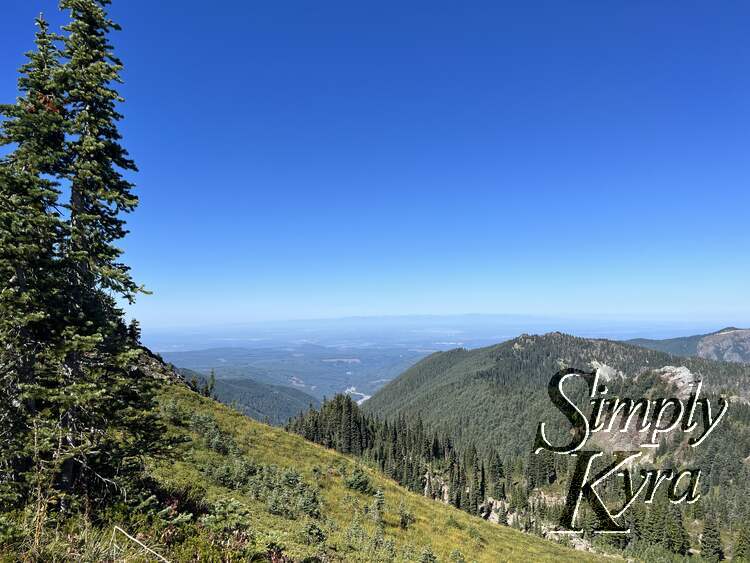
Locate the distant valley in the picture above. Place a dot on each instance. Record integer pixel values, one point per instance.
(317, 371)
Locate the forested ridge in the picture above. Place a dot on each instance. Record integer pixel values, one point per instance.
(473, 411)
(274, 404)
(730, 344)
(478, 395)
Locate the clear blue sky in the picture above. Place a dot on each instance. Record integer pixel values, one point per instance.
(319, 159)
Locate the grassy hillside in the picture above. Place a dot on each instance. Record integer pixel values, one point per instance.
(234, 489)
(345, 520)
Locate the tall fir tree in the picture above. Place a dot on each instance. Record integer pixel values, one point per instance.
(711, 548)
(67, 361)
(676, 538)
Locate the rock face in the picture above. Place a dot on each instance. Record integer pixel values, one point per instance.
(681, 377)
(730, 345)
(605, 372)
(435, 487)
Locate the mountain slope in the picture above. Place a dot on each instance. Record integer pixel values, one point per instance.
(496, 396)
(205, 473)
(262, 401)
(729, 344)
(230, 488)
(492, 399)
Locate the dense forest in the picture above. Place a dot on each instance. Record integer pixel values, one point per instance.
(490, 401)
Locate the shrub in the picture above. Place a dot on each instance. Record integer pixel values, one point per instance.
(227, 515)
(283, 490)
(313, 534)
(427, 556)
(451, 522)
(215, 438)
(406, 518)
(9, 531)
(359, 481)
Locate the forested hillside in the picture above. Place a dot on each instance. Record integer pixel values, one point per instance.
(471, 407)
(496, 396)
(274, 404)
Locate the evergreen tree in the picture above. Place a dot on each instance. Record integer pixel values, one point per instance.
(502, 517)
(742, 545)
(496, 476)
(111, 422)
(208, 387)
(68, 360)
(134, 332)
(676, 537)
(31, 232)
(711, 548)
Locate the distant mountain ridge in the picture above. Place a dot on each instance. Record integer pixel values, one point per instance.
(729, 344)
(265, 402)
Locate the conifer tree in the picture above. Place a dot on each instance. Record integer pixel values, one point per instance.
(676, 537)
(502, 517)
(30, 235)
(496, 475)
(110, 423)
(711, 548)
(742, 545)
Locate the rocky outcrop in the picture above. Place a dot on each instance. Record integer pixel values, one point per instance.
(605, 372)
(680, 377)
(152, 365)
(435, 487)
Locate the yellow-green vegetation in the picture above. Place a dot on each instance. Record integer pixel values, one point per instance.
(351, 523)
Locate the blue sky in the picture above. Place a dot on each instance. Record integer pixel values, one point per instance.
(326, 159)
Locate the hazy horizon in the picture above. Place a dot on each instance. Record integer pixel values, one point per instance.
(422, 331)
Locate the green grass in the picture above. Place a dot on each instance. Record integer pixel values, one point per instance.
(349, 530)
